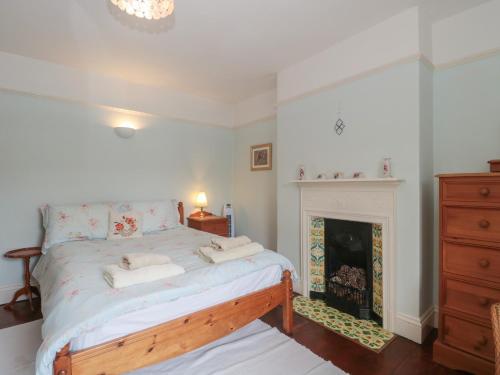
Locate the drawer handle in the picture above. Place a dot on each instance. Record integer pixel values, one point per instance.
(484, 263)
(484, 191)
(483, 301)
(480, 343)
(484, 223)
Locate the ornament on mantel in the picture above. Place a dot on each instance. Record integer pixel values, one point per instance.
(301, 173)
(322, 176)
(387, 168)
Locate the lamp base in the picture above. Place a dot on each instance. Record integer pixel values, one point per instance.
(201, 214)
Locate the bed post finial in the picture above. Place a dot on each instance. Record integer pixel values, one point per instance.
(62, 363)
(180, 208)
(288, 302)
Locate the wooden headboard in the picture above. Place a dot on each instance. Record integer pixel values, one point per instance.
(180, 208)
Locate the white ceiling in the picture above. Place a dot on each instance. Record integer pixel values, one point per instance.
(222, 49)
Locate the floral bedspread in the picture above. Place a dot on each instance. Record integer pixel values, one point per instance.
(76, 299)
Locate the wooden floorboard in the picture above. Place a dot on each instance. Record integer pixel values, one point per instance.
(21, 313)
(400, 357)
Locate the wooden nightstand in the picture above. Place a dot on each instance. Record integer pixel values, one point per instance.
(209, 223)
(25, 254)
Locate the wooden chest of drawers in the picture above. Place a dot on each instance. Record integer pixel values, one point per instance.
(469, 270)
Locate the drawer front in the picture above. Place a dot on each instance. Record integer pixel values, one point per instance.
(219, 228)
(475, 223)
(470, 299)
(473, 261)
(471, 191)
(470, 337)
(194, 224)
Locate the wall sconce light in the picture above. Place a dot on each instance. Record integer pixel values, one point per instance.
(125, 131)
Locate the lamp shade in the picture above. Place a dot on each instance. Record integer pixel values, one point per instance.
(201, 199)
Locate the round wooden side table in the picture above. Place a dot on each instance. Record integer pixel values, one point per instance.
(25, 254)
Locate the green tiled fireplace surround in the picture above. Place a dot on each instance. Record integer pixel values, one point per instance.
(317, 261)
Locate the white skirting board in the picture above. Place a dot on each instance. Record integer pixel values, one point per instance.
(297, 286)
(7, 292)
(415, 329)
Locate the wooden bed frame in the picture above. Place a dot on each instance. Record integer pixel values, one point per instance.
(178, 336)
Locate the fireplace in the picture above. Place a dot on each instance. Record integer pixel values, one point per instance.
(369, 201)
(348, 269)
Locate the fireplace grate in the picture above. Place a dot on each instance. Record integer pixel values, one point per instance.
(348, 299)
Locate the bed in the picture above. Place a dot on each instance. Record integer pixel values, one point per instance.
(90, 328)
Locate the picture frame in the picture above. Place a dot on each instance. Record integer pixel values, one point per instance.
(261, 157)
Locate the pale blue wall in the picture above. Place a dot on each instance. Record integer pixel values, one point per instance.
(54, 151)
(255, 192)
(426, 186)
(467, 121)
(57, 151)
(382, 114)
(467, 116)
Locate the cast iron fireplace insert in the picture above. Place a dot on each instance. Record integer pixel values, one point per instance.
(349, 268)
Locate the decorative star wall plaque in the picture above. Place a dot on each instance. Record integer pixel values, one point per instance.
(339, 126)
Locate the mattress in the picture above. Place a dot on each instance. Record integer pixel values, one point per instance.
(164, 312)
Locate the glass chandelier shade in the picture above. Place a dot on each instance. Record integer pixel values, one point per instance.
(149, 9)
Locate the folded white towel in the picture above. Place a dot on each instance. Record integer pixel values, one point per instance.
(117, 277)
(134, 261)
(216, 256)
(222, 243)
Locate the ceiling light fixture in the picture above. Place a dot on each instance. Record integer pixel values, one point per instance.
(149, 9)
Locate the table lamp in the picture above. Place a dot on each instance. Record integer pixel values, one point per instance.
(201, 202)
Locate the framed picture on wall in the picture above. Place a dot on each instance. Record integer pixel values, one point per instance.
(261, 157)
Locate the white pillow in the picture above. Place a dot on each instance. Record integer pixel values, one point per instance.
(156, 215)
(124, 225)
(74, 223)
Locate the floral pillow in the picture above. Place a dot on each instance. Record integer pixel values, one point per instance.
(157, 215)
(124, 225)
(64, 223)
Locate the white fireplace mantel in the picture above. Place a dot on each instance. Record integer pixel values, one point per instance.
(371, 200)
(340, 181)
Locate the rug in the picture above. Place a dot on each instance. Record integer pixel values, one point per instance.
(254, 349)
(18, 346)
(364, 332)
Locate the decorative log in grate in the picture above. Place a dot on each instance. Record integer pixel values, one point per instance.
(359, 297)
(347, 291)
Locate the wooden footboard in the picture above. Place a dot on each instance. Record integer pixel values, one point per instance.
(178, 336)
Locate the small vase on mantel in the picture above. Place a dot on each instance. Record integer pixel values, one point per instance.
(301, 173)
(387, 168)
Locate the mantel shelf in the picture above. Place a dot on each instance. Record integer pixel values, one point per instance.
(389, 180)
